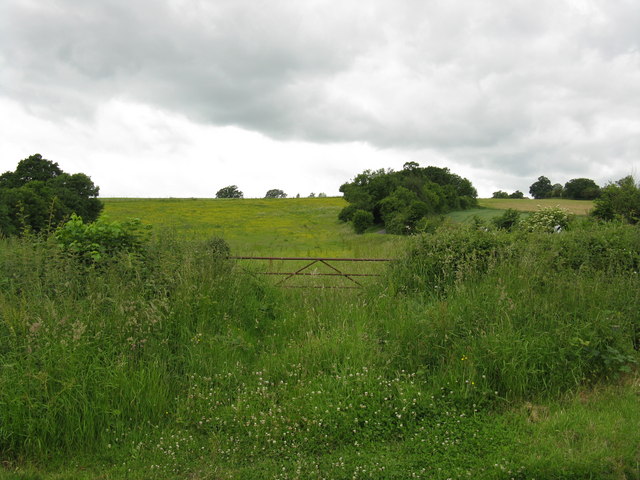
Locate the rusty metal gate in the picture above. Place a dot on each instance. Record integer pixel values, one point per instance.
(330, 270)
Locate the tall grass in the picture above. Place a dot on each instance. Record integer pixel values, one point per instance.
(177, 360)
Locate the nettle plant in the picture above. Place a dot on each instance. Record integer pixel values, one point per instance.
(548, 219)
(98, 242)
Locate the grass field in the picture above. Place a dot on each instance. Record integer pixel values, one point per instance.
(577, 207)
(479, 353)
(273, 227)
(291, 226)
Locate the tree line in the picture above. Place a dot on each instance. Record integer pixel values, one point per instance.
(39, 196)
(574, 189)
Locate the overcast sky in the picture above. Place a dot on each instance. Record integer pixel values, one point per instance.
(159, 98)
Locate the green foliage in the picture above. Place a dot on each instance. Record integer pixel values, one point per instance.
(542, 188)
(100, 241)
(362, 220)
(557, 191)
(218, 247)
(500, 194)
(399, 200)
(613, 248)
(619, 200)
(548, 219)
(508, 220)
(39, 196)
(517, 194)
(435, 262)
(229, 192)
(275, 193)
(182, 366)
(581, 189)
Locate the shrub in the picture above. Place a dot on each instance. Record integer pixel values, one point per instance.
(619, 200)
(362, 220)
(346, 214)
(508, 220)
(218, 247)
(435, 261)
(546, 220)
(98, 242)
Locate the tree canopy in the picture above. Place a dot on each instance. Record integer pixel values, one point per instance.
(581, 189)
(39, 195)
(503, 194)
(275, 193)
(229, 192)
(400, 200)
(542, 188)
(619, 200)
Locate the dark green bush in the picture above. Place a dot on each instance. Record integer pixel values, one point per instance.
(619, 200)
(346, 214)
(507, 220)
(362, 220)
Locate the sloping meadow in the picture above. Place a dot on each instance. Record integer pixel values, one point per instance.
(173, 361)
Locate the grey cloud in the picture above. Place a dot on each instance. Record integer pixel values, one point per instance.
(518, 83)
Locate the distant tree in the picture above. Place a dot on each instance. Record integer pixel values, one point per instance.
(400, 201)
(541, 189)
(229, 192)
(557, 191)
(322, 195)
(517, 194)
(619, 200)
(275, 193)
(500, 194)
(297, 195)
(312, 195)
(581, 189)
(39, 195)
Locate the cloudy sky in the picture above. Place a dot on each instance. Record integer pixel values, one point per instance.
(182, 97)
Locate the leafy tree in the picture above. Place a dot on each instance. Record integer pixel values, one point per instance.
(517, 194)
(275, 193)
(541, 189)
(557, 191)
(39, 195)
(581, 189)
(229, 192)
(400, 200)
(619, 200)
(322, 195)
(500, 194)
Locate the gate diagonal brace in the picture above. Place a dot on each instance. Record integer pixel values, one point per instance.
(296, 272)
(343, 274)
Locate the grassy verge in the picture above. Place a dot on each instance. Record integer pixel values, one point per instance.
(481, 354)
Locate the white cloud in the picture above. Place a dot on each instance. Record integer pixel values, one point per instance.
(498, 92)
